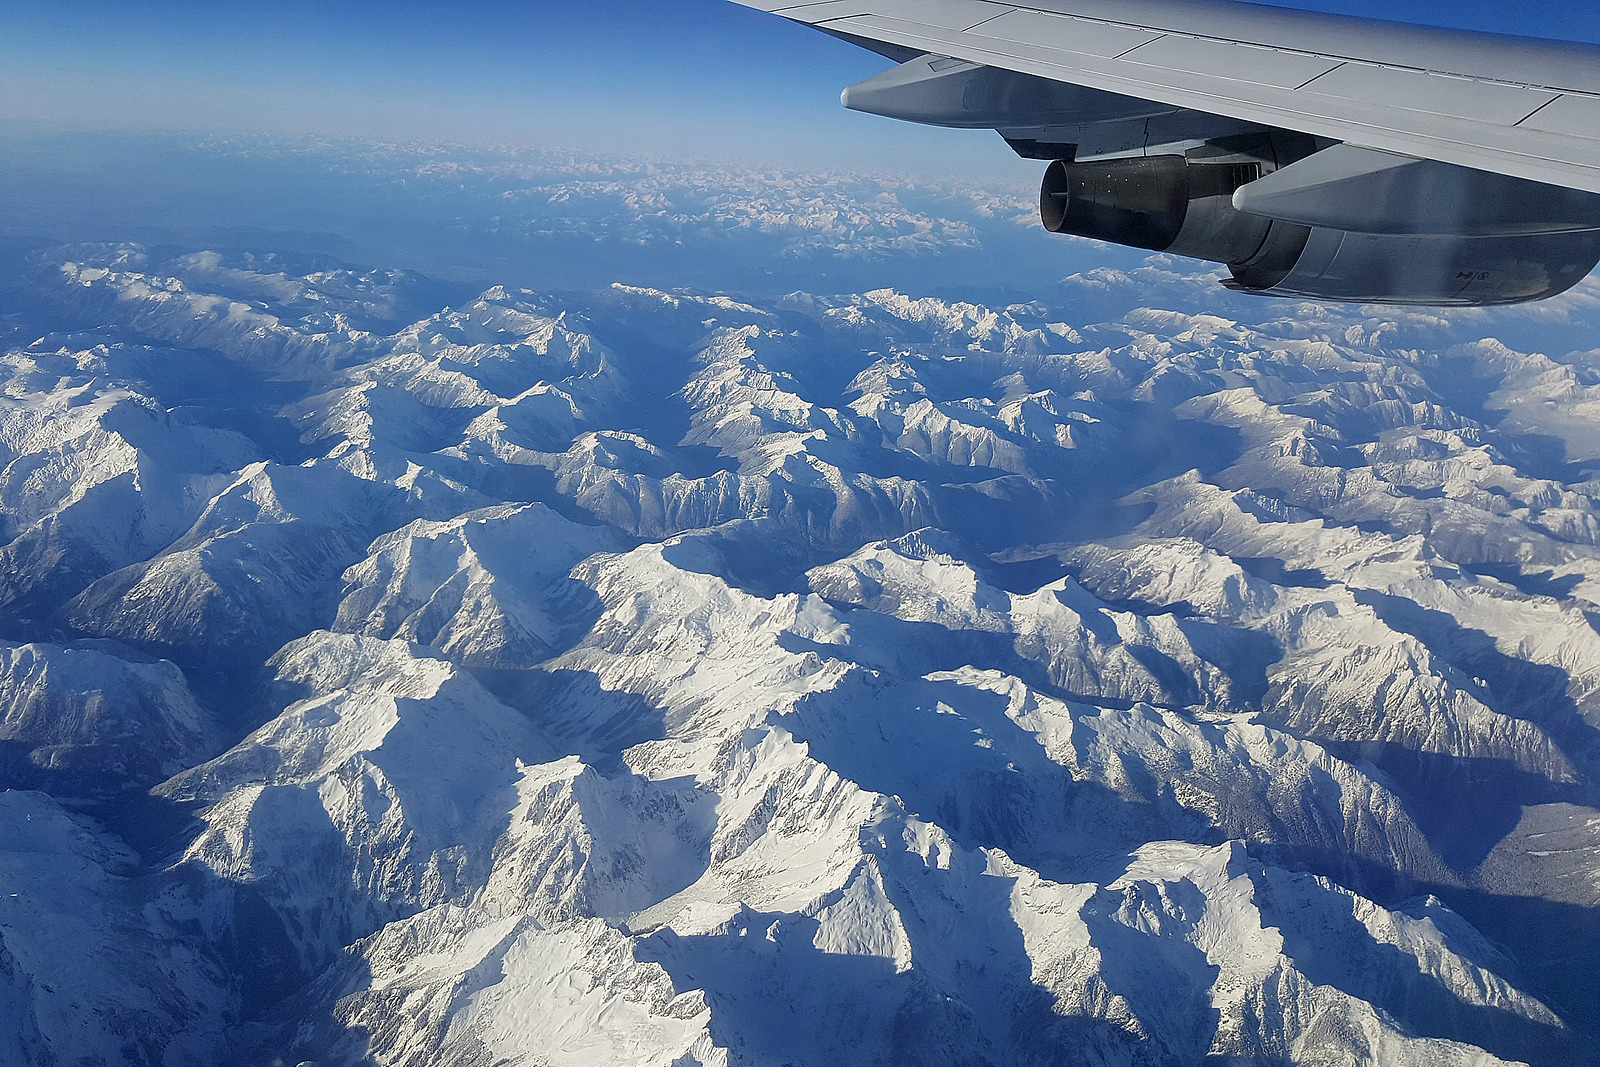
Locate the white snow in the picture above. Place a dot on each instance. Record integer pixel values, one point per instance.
(648, 677)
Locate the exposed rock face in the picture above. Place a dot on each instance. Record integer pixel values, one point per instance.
(657, 678)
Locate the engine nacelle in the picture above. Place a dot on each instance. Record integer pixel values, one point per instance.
(1181, 204)
(1434, 271)
(1184, 204)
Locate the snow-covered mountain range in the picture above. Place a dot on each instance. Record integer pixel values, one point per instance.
(663, 678)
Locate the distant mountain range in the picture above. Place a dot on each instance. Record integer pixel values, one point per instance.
(656, 677)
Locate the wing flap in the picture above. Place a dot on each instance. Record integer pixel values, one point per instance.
(1492, 103)
(1500, 104)
(1105, 40)
(1237, 62)
(1573, 116)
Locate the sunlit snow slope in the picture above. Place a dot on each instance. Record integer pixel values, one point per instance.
(655, 678)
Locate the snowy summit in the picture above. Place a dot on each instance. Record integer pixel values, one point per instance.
(633, 675)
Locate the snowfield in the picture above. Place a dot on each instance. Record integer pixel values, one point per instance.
(642, 677)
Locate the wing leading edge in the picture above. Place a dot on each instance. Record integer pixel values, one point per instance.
(1515, 106)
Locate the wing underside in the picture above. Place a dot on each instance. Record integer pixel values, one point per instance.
(1510, 105)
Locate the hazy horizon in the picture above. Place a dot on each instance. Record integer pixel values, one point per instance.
(709, 79)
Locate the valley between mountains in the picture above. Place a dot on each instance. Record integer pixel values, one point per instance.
(405, 675)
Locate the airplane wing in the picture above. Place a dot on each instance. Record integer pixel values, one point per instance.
(1510, 105)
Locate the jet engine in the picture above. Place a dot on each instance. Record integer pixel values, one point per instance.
(1436, 271)
(1186, 204)
(1171, 204)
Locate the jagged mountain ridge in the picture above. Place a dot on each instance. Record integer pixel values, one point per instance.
(659, 677)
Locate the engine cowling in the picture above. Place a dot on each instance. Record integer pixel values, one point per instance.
(1434, 271)
(1181, 204)
(1184, 204)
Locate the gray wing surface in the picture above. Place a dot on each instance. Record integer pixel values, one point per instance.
(1511, 105)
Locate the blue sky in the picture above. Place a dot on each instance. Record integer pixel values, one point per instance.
(689, 77)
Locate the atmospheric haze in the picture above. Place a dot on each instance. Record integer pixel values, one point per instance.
(405, 669)
(467, 605)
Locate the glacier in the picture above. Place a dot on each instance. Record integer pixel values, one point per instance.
(402, 674)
